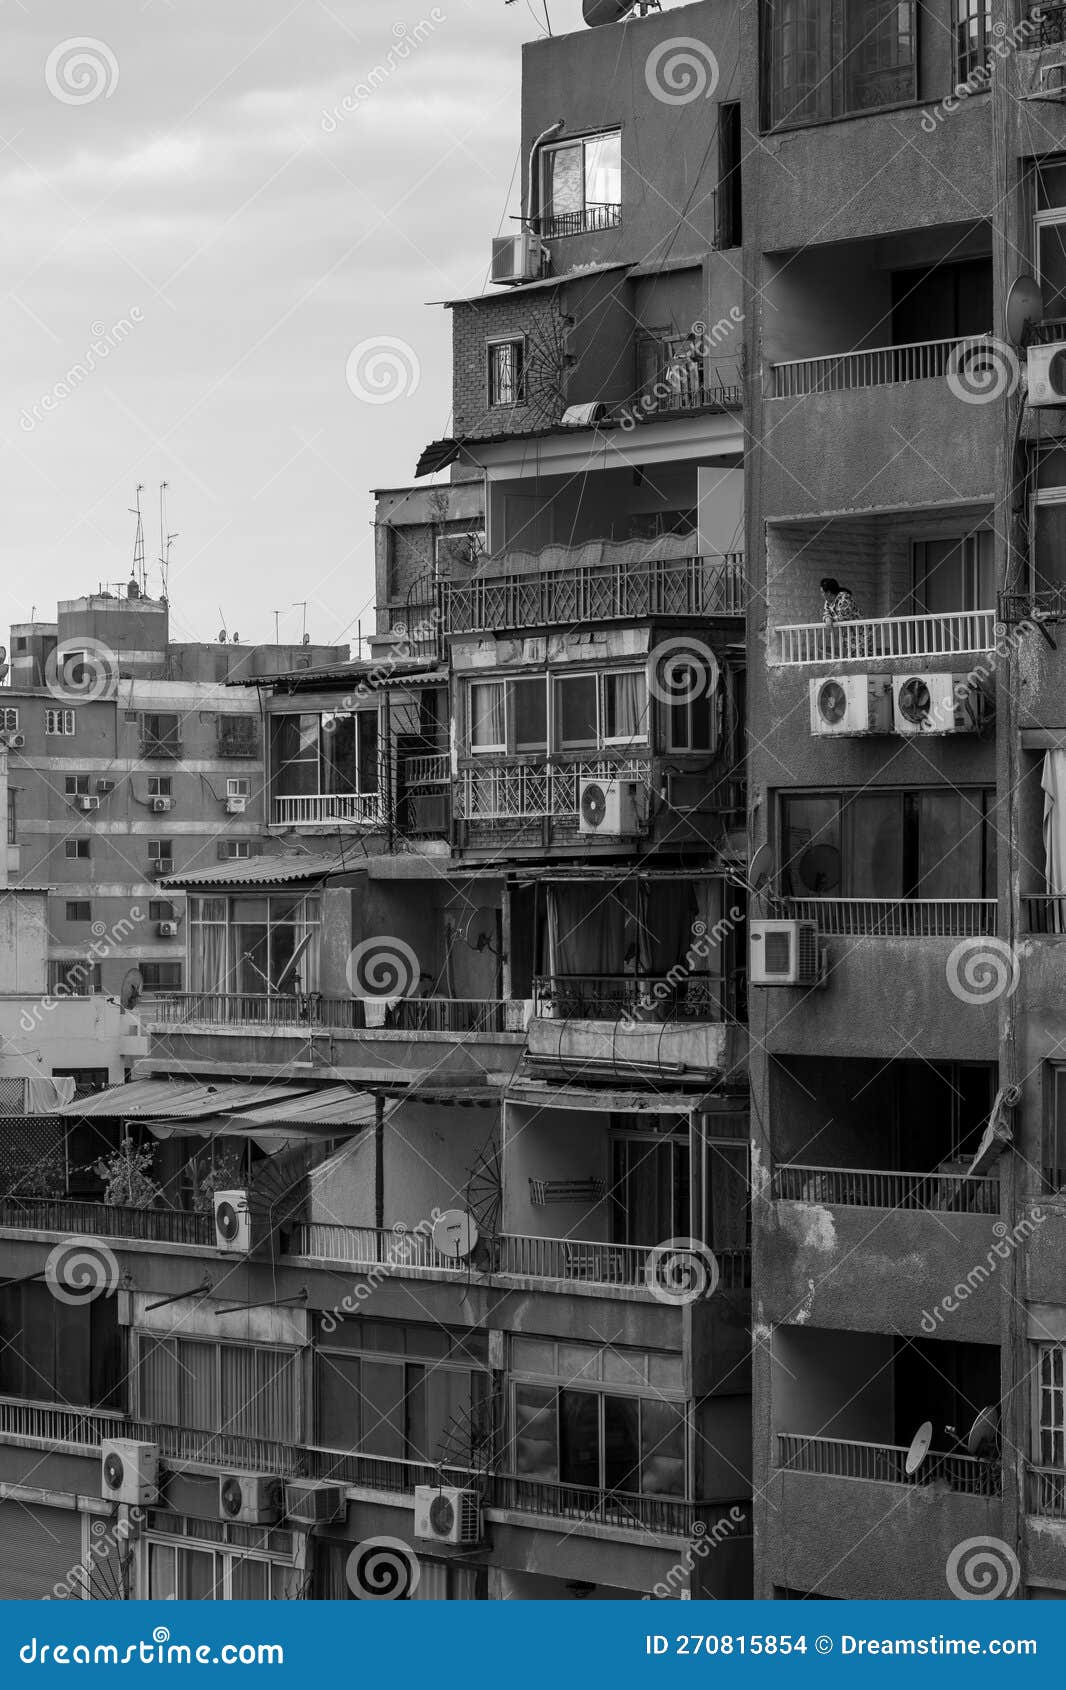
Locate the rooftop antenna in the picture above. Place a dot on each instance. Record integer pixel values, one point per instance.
(277, 627)
(138, 541)
(165, 540)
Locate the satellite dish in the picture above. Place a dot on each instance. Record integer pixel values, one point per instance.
(1024, 308)
(919, 1449)
(455, 1234)
(761, 867)
(132, 988)
(984, 1433)
(478, 929)
(596, 12)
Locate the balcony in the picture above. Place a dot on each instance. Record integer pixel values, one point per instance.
(602, 582)
(929, 360)
(155, 745)
(886, 1464)
(669, 1515)
(60, 1215)
(1048, 24)
(1045, 1492)
(590, 220)
(327, 809)
(1045, 914)
(875, 1188)
(882, 638)
(243, 1010)
(527, 791)
(635, 997)
(893, 918)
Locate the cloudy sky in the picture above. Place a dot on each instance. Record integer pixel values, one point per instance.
(182, 189)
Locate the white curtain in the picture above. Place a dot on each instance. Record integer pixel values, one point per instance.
(1053, 782)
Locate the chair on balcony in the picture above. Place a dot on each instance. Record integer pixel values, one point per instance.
(597, 1263)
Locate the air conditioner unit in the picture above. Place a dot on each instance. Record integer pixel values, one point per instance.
(129, 1471)
(236, 806)
(237, 1229)
(84, 802)
(843, 705)
(1047, 375)
(105, 786)
(518, 258)
(448, 1515)
(160, 806)
(167, 929)
(314, 1505)
(610, 809)
(783, 953)
(15, 742)
(937, 704)
(160, 868)
(252, 1499)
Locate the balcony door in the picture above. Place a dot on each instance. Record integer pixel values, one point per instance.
(954, 573)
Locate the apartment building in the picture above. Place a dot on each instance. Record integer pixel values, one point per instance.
(130, 756)
(429, 1266)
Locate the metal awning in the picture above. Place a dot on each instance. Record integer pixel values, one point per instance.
(264, 871)
(333, 1108)
(190, 1100)
(437, 456)
(537, 1094)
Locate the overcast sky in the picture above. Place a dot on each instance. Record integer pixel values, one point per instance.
(188, 192)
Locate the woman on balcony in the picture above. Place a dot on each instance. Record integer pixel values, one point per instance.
(838, 606)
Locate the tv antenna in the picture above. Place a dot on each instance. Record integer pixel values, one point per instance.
(138, 540)
(165, 540)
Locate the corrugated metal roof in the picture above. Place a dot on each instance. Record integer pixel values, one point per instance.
(190, 1099)
(332, 1106)
(265, 871)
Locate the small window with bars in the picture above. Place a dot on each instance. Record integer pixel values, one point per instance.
(9, 721)
(60, 722)
(507, 372)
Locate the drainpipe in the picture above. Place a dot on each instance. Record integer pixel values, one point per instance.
(527, 221)
(379, 1161)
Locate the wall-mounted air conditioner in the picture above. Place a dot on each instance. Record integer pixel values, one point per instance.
(236, 806)
(783, 953)
(160, 806)
(239, 1225)
(105, 786)
(845, 705)
(610, 809)
(129, 1471)
(15, 742)
(252, 1499)
(167, 929)
(447, 1515)
(314, 1505)
(518, 258)
(937, 704)
(85, 802)
(1046, 368)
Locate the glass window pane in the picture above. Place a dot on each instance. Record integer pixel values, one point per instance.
(337, 1399)
(603, 170)
(575, 700)
(162, 1572)
(530, 703)
(579, 1438)
(564, 180)
(250, 1581)
(486, 715)
(662, 1449)
(950, 839)
(874, 845)
(621, 1443)
(811, 842)
(384, 1418)
(1051, 242)
(199, 1579)
(536, 1442)
(624, 707)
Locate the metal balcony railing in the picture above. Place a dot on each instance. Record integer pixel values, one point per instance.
(432, 769)
(579, 1261)
(1047, 25)
(894, 918)
(1043, 604)
(311, 1010)
(675, 1516)
(156, 745)
(519, 791)
(874, 1188)
(366, 808)
(590, 220)
(1045, 912)
(156, 1226)
(927, 360)
(886, 1464)
(869, 638)
(626, 587)
(676, 996)
(1045, 1492)
(392, 1248)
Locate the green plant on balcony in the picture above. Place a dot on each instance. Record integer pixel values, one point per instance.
(128, 1182)
(227, 1174)
(46, 1177)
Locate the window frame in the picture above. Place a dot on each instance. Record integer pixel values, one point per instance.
(76, 904)
(520, 345)
(75, 786)
(546, 215)
(60, 723)
(9, 719)
(836, 79)
(160, 786)
(554, 745)
(73, 848)
(971, 62)
(912, 845)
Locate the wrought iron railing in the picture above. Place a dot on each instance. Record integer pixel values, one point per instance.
(156, 1226)
(1046, 26)
(428, 769)
(886, 1464)
(674, 996)
(528, 791)
(366, 808)
(1045, 912)
(874, 1188)
(894, 918)
(866, 638)
(667, 1514)
(590, 220)
(581, 1261)
(575, 593)
(1043, 604)
(310, 1010)
(1045, 1489)
(928, 360)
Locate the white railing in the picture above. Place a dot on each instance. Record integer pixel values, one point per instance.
(877, 366)
(871, 637)
(367, 808)
(427, 769)
(531, 790)
(895, 918)
(877, 1188)
(841, 1458)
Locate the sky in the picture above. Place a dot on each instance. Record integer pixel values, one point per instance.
(220, 241)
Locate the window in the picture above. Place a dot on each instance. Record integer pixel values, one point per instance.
(161, 976)
(161, 735)
(12, 819)
(79, 910)
(652, 1196)
(600, 709)
(730, 151)
(1051, 1409)
(942, 301)
(692, 719)
(160, 850)
(954, 573)
(488, 730)
(237, 788)
(234, 850)
(407, 1392)
(439, 1581)
(931, 843)
(529, 709)
(76, 848)
(589, 710)
(252, 944)
(183, 1572)
(827, 59)
(9, 720)
(77, 979)
(76, 785)
(581, 185)
(54, 1351)
(336, 752)
(507, 374)
(1055, 1146)
(238, 736)
(249, 1391)
(59, 722)
(160, 786)
(160, 909)
(973, 36)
